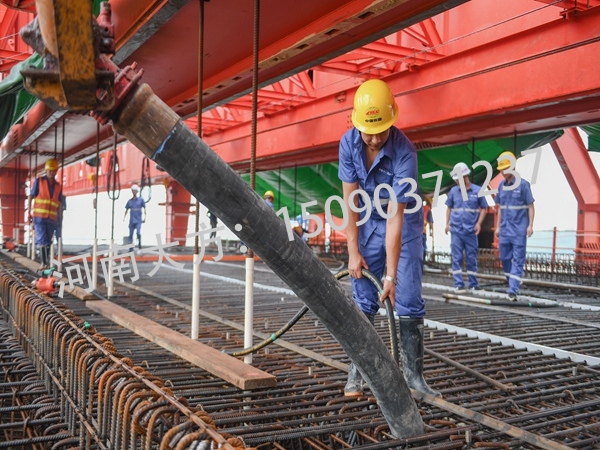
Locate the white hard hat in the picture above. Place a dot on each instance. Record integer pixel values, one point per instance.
(135, 187)
(460, 167)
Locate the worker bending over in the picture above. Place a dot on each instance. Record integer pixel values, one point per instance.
(376, 153)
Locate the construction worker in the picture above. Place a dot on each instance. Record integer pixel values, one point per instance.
(376, 153)
(213, 223)
(463, 221)
(427, 223)
(514, 222)
(269, 199)
(137, 205)
(48, 201)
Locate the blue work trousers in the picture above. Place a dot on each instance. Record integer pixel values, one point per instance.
(464, 244)
(409, 301)
(512, 255)
(135, 226)
(44, 230)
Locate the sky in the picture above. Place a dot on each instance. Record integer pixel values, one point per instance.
(554, 201)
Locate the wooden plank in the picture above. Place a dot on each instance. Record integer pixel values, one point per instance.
(219, 364)
(33, 266)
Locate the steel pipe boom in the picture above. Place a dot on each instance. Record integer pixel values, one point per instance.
(161, 135)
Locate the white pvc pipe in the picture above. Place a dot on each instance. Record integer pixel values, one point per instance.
(249, 308)
(33, 244)
(109, 283)
(94, 283)
(196, 297)
(51, 256)
(60, 254)
(30, 243)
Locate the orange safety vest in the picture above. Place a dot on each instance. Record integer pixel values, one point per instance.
(44, 206)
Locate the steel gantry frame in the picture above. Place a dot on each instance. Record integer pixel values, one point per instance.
(464, 74)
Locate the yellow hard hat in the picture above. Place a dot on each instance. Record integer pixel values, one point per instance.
(51, 164)
(269, 194)
(375, 109)
(504, 160)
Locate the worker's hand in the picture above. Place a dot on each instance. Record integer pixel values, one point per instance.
(389, 290)
(144, 220)
(431, 233)
(497, 232)
(477, 229)
(529, 231)
(447, 230)
(30, 218)
(355, 264)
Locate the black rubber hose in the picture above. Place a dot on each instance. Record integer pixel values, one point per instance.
(172, 145)
(344, 273)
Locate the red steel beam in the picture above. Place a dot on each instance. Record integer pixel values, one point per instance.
(583, 178)
(520, 83)
(302, 48)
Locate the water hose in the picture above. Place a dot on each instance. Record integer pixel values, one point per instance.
(341, 274)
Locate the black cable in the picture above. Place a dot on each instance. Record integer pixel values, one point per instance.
(388, 306)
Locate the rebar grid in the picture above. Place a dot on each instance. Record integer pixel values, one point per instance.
(106, 401)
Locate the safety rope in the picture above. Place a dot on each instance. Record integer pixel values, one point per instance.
(113, 181)
(145, 180)
(200, 107)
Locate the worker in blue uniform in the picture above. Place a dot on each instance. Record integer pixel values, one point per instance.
(463, 221)
(137, 205)
(427, 224)
(269, 198)
(514, 221)
(373, 157)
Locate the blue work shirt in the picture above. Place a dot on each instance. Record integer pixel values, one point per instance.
(397, 159)
(514, 206)
(135, 205)
(465, 213)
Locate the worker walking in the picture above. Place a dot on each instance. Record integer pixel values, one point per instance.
(514, 222)
(463, 221)
(213, 224)
(376, 153)
(48, 201)
(269, 198)
(427, 224)
(137, 205)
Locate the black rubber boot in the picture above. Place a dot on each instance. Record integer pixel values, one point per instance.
(412, 350)
(354, 385)
(44, 255)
